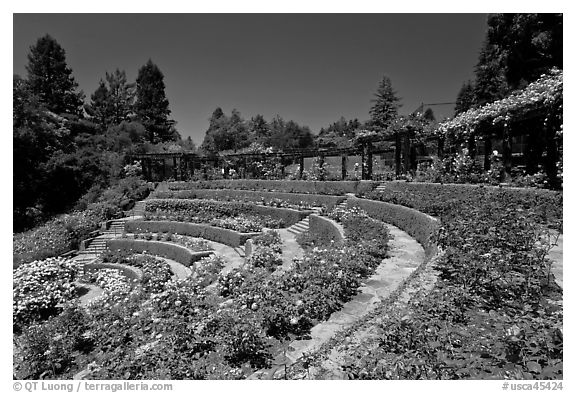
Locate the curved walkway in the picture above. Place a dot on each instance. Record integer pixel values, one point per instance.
(405, 255)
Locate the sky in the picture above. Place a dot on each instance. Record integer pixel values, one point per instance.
(310, 68)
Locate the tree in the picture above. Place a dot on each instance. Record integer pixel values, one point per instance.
(490, 84)
(152, 105)
(429, 115)
(259, 130)
(466, 98)
(51, 79)
(529, 44)
(385, 107)
(121, 96)
(98, 109)
(113, 101)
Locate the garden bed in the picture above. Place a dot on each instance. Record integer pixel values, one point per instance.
(220, 235)
(266, 198)
(289, 186)
(175, 252)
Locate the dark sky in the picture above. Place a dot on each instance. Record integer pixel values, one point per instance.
(311, 68)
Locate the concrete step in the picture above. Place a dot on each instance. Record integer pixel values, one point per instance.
(296, 231)
(240, 251)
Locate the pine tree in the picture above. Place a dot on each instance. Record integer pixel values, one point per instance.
(152, 105)
(51, 79)
(385, 107)
(466, 98)
(121, 96)
(98, 109)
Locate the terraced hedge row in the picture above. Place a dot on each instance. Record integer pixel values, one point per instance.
(220, 235)
(420, 226)
(293, 186)
(328, 201)
(172, 251)
(326, 230)
(227, 209)
(544, 206)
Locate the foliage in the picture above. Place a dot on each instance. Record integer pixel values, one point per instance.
(493, 312)
(545, 93)
(385, 105)
(51, 79)
(56, 237)
(465, 99)
(113, 101)
(221, 214)
(152, 105)
(39, 287)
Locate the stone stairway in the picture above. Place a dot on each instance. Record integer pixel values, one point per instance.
(138, 209)
(300, 227)
(240, 251)
(380, 188)
(98, 245)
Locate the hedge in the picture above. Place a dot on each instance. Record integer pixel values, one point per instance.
(232, 209)
(290, 186)
(172, 251)
(326, 229)
(329, 201)
(437, 199)
(219, 235)
(420, 226)
(133, 274)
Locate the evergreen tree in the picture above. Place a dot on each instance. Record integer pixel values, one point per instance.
(121, 96)
(259, 130)
(466, 98)
(490, 84)
(51, 79)
(98, 109)
(385, 105)
(152, 105)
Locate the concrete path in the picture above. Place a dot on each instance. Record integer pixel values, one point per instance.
(406, 254)
(233, 259)
(556, 256)
(290, 250)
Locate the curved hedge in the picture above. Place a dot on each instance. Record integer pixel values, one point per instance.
(172, 251)
(326, 229)
(230, 209)
(219, 235)
(329, 201)
(437, 199)
(289, 186)
(422, 227)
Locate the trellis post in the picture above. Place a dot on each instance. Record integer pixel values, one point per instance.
(344, 166)
(507, 151)
(397, 152)
(369, 162)
(406, 152)
(487, 152)
(175, 167)
(301, 168)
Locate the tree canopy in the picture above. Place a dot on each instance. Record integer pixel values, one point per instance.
(50, 78)
(152, 107)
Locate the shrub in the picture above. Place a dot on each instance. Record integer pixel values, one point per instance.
(40, 287)
(220, 235)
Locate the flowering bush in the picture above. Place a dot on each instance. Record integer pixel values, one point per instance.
(40, 287)
(207, 269)
(493, 313)
(57, 236)
(191, 243)
(545, 92)
(220, 214)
